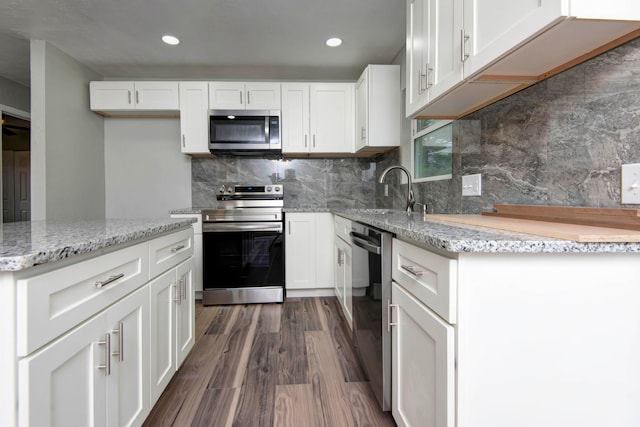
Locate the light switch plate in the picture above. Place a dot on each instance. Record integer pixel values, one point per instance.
(472, 185)
(630, 184)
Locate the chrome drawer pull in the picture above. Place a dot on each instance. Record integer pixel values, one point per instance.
(413, 270)
(108, 280)
(177, 248)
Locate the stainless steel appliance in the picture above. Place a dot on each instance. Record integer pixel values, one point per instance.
(245, 132)
(371, 335)
(243, 246)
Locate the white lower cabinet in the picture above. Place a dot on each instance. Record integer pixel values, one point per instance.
(344, 288)
(423, 364)
(172, 324)
(121, 340)
(96, 375)
(309, 254)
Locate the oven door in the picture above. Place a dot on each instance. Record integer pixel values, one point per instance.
(243, 262)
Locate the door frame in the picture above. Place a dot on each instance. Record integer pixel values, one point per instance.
(16, 113)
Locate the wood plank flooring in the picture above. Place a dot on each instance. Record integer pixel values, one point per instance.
(290, 364)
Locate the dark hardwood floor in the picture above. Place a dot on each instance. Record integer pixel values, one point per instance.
(290, 364)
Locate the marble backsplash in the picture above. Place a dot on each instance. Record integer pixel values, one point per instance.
(559, 142)
(309, 183)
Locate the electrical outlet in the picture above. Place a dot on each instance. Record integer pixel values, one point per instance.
(472, 185)
(630, 184)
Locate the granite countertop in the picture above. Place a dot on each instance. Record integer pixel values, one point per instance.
(468, 238)
(26, 244)
(187, 211)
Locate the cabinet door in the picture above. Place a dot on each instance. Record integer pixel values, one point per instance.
(416, 54)
(423, 364)
(343, 277)
(226, 96)
(185, 312)
(111, 95)
(263, 96)
(491, 35)
(128, 384)
(162, 332)
(300, 251)
(156, 96)
(362, 107)
(445, 46)
(332, 117)
(194, 117)
(295, 118)
(62, 384)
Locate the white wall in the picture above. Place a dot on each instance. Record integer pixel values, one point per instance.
(67, 139)
(14, 95)
(146, 174)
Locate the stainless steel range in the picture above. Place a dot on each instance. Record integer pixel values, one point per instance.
(243, 246)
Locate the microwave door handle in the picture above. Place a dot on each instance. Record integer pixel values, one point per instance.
(266, 130)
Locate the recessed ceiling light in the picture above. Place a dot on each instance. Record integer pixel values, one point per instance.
(334, 41)
(170, 40)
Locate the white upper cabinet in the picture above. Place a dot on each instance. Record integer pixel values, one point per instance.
(133, 96)
(331, 117)
(194, 117)
(378, 108)
(434, 61)
(244, 96)
(461, 57)
(317, 118)
(295, 118)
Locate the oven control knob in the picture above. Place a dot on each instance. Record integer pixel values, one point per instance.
(277, 189)
(221, 190)
(229, 189)
(268, 189)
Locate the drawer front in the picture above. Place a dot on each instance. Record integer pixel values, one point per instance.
(52, 303)
(170, 250)
(429, 277)
(342, 228)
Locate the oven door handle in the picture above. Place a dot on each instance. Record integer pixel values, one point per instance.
(365, 244)
(220, 227)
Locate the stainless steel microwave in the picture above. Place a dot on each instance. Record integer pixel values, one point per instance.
(245, 132)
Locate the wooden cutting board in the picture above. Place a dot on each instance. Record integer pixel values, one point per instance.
(575, 232)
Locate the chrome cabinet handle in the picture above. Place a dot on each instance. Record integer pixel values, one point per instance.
(177, 248)
(363, 133)
(107, 351)
(183, 288)
(419, 81)
(183, 141)
(129, 97)
(463, 40)
(305, 141)
(314, 141)
(240, 98)
(137, 97)
(413, 270)
(389, 322)
(429, 73)
(248, 97)
(120, 332)
(108, 280)
(177, 297)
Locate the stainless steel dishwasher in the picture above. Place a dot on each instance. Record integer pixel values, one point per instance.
(371, 257)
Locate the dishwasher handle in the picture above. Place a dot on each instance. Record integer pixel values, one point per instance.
(365, 243)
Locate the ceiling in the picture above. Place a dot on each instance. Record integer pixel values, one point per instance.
(223, 39)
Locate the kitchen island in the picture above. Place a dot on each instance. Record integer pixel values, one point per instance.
(501, 328)
(97, 316)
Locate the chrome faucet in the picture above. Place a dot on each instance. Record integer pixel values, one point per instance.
(410, 199)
